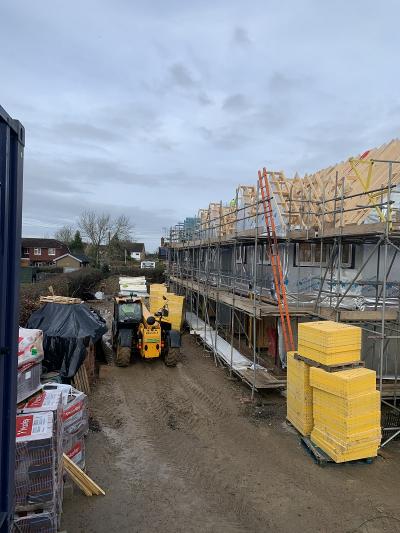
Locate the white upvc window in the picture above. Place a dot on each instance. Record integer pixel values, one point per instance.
(37, 251)
(52, 251)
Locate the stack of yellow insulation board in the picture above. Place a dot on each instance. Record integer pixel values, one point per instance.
(157, 291)
(329, 342)
(172, 301)
(299, 395)
(346, 411)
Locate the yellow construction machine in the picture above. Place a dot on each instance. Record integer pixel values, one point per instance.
(135, 331)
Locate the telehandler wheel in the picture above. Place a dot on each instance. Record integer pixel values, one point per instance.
(122, 356)
(171, 357)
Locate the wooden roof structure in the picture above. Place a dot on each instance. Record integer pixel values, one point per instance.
(353, 188)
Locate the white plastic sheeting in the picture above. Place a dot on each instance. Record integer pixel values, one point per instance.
(217, 343)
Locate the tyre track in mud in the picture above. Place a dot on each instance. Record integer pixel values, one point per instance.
(185, 454)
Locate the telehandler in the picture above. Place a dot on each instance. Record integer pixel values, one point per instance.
(135, 331)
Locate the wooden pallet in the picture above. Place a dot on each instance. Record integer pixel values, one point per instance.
(60, 300)
(322, 458)
(329, 368)
(81, 381)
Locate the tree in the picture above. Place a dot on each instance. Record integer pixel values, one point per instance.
(65, 234)
(122, 228)
(101, 229)
(95, 228)
(77, 244)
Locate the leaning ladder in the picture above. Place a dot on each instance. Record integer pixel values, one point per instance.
(275, 260)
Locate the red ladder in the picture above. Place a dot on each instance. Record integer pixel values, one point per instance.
(273, 252)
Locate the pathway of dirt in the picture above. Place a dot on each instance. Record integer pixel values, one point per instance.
(182, 450)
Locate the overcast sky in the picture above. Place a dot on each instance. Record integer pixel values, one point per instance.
(156, 108)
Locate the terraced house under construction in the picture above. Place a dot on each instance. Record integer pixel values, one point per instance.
(323, 246)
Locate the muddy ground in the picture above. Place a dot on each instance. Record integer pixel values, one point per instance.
(182, 450)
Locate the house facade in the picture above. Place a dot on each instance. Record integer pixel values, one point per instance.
(41, 252)
(71, 262)
(136, 251)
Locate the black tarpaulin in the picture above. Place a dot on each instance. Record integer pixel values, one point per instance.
(67, 331)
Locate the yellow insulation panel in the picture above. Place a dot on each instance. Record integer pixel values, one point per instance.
(341, 454)
(299, 395)
(312, 352)
(329, 335)
(329, 342)
(347, 407)
(346, 383)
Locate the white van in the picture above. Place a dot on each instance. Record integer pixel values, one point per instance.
(148, 264)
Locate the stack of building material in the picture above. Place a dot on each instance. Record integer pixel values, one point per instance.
(37, 460)
(329, 342)
(132, 285)
(299, 395)
(338, 405)
(346, 409)
(75, 416)
(159, 297)
(50, 402)
(157, 291)
(175, 305)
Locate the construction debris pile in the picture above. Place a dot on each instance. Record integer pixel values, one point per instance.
(331, 397)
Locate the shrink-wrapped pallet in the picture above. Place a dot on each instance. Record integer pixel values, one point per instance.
(44, 402)
(28, 380)
(35, 466)
(39, 522)
(329, 343)
(299, 395)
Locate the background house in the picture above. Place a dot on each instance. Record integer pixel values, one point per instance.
(71, 262)
(41, 252)
(136, 250)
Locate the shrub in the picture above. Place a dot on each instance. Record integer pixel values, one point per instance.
(75, 284)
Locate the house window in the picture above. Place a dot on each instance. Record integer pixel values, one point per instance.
(37, 251)
(309, 254)
(25, 251)
(241, 254)
(52, 251)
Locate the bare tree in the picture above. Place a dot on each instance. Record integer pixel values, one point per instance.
(95, 228)
(65, 234)
(122, 228)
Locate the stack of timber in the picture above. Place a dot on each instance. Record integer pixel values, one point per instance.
(78, 476)
(60, 300)
(331, 397)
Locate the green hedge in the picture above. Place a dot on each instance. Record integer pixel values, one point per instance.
(75, 284)
(153, 275)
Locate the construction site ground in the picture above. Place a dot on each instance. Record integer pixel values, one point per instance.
(185, 450)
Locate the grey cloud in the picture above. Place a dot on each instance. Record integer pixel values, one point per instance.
(240, 36)
(181, 76)
(204, 99)
(235, 102)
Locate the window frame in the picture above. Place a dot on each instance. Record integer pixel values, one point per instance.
(241, 254)
(313, 263)
(37, 251)
(53, 250)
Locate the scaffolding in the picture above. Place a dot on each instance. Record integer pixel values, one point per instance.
(348, 230)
